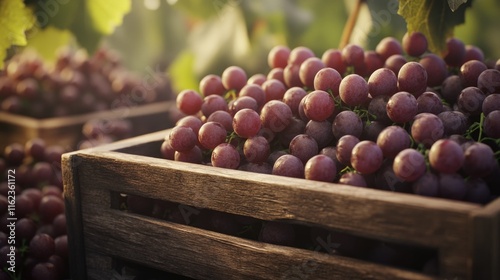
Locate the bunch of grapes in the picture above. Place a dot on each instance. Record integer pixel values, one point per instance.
(99, 131)
(40, 239)
(396, 118)
(75, 84)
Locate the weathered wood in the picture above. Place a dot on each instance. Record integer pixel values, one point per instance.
(66, 131)
(404, 218)
(486, 242)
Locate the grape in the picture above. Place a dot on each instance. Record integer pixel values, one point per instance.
(167, 152)
(452, 186)
(295, 128)
(446, 156)
(213, 103)
(246, 123)
(372, 129)
(332, 58)
(392, 140)
(291, 75)
(477, 191)
(182, 138)
(454, 122)
(192, 156)
(429, 102)
(221, 117)
(303, 147)
(320, 168)
(14, 154)
(276, 74)
(292, 98)
(275, 115)
(470, 71)
(427, 185)
(234, 77)
(470, 101)
(278, 56)
(414, 43)
(388, 46)
(226, 156)
(366, 157)
(491, 125)
(318, 105)
(473, 53)
(273, 89)
(211, 134)
(353, 55)
(409, 165)
(344, 148)
(426, 129)
(256, 79)
(42, 171)
(331, 151)
(254, 91)
(353, 179)
(41, 247)
(382, 82)
(308, 70)
(402, 107)
(353, 90)
(489, 81)
(256, 149)
(44, 271)
(455, 52)
(277, 233)
(299, 54)
(59, 224)
(347, 123)
(52, 190)
(242, 102)
(289, 166)
(372, 62)
(395, 62)
(412, 77)
(328, 79)
(211, 84)
(491, 103)
(377, 107)
(25, 229)
(320, 131)
(24, 206)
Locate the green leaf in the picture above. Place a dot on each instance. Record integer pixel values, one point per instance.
(433, 18)
(15, 19)
(107, 15)
(454, 4)
(182, 72)
(46, 41)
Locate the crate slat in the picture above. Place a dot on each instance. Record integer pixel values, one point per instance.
(453, 228)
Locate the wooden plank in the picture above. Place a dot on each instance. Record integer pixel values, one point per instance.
(203, 254)
(74, 219)
(410, 219)
(66, 131)
(486, 242)
(100, 267)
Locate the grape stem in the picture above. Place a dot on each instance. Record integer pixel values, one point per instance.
(351, 22)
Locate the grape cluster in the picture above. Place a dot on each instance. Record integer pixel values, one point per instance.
(75, 84)
(397, 118)
(40, 240)
(97, 132)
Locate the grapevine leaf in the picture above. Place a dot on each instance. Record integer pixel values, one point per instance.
(46, 41)
(454, 4)
(15, 19)
(433, 18)
(182, 73)
(107, 15)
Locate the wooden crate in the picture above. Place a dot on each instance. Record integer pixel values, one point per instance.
(466, 236)
(67, 131)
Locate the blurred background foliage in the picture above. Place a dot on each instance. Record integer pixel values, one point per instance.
(187, 39)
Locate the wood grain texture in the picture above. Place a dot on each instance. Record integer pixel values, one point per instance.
(446, 225)
(203, 254)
